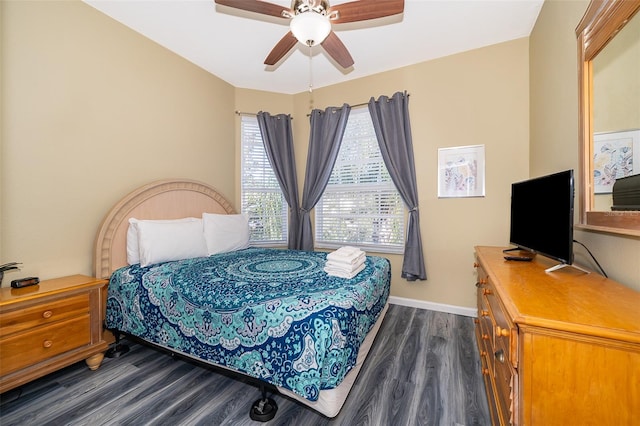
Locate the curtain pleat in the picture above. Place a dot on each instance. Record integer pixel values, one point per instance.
(278, 144)
(327, 130)
(390, 118)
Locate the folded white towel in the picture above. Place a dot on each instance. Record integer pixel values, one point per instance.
(346, 254)
(345, 267)
(347, 260)
(342, 274)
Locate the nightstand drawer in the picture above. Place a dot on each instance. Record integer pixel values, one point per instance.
(43, 343)
(45, 313)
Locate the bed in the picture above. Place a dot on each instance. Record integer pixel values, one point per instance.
(270, 314)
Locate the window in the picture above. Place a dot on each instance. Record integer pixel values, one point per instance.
(262, 198)
(360, 205)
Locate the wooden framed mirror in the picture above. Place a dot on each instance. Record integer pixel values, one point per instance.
(602, 23)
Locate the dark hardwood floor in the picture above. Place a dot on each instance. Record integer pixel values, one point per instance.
(423, 369)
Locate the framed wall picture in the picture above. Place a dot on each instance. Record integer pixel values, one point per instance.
(461, 171)
(615, 155)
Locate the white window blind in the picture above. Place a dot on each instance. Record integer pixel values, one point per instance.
(262, 198)
(360, 205)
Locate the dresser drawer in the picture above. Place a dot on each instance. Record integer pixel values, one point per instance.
(503, 332)
(483, 330)
(43, 313)
(489, 385)
(504, 379)
(495, 333)
(44, 342)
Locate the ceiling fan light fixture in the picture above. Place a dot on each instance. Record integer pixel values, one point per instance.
(310, 28)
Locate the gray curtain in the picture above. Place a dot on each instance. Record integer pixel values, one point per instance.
(278, 143)
(327, 129)
(393, 130)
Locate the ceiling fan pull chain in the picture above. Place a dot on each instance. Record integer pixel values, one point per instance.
(310, 79)
(310, 70)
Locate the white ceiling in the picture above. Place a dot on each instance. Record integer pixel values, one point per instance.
(233, 44)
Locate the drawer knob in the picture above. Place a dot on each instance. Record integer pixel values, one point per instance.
(504, 332)
(47, 343)
(47, 314)
(485, 337)
(500, 355)
(484, 313)
(476, 264)
(485, 371)
(481, 282)
(486, 291)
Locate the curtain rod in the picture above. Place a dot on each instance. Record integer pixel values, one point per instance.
(245, 113)
(352, 106)
(367, 103)
(253, 114)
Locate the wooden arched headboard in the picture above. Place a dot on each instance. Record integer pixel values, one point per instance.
(165, 199)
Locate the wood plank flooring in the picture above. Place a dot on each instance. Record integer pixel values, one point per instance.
(423, 369)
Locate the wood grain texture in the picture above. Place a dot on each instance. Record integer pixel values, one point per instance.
(49, 326)
(573, 341)
(423, 369)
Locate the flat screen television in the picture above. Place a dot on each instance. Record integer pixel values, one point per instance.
(542, 216)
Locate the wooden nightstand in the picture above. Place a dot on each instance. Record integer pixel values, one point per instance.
(49, 326)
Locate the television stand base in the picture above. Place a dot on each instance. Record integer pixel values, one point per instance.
(565, 265)
(511, 249)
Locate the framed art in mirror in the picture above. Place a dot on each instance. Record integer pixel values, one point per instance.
(615, 155)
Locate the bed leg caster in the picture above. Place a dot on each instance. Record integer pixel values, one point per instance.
(118, 348)
(263, 409)
(116, 351)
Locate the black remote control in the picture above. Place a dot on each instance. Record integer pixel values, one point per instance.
(25, 282)
(519, 258)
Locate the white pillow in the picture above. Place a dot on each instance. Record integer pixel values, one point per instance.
(225, 232)
(133, 250)
(164, 241)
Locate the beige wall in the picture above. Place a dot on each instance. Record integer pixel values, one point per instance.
(554, 127)
(616, 82)
(91, 111)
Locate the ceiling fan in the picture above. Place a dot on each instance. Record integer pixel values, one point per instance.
(311, 22)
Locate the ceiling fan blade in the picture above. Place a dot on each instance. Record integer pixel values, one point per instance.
(363, 10)
(262, 7)
(285, 44)
(337, 50)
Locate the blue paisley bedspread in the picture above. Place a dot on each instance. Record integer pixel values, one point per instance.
(271, 314)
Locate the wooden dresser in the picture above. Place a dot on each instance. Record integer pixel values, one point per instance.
(557, 348)
(49, 326)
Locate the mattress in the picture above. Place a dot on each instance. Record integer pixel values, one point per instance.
(274, 315)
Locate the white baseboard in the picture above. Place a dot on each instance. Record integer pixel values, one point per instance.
(440, 307)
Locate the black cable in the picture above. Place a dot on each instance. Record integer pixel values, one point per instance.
(593, 257)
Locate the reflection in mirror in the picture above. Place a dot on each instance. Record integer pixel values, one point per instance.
(616, 113)
(616, 105)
